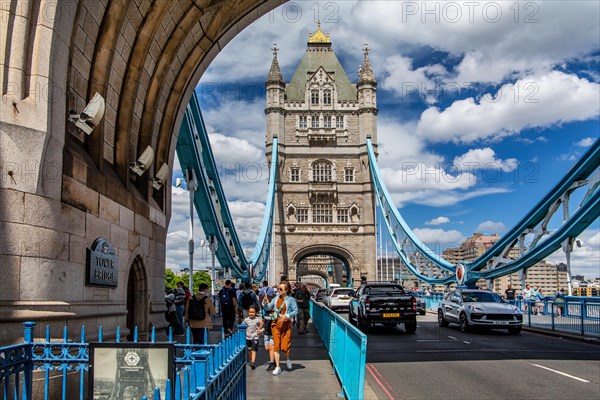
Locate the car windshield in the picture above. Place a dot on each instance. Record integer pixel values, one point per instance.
(389, 290)
(481, 297)
(342, 292)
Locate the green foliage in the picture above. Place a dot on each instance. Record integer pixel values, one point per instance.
(199, 277)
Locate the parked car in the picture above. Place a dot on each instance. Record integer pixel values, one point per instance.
(479, 308)
(383, 303)
(421, 307)
(320, 295)
(338, 298)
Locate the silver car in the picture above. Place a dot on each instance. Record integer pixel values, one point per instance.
(421, 307)
(479, 308)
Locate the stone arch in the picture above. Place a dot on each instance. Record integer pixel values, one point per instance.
(336, 251)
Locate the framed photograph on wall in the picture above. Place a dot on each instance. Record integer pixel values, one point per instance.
(129, 370)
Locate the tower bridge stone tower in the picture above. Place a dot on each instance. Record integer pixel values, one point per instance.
(325, 195)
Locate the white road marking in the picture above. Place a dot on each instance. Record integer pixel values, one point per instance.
(452, 337)
(464, 341)
(561, 373)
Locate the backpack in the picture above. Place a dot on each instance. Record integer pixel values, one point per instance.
(224, 298)
(196, 308)
(246, 300)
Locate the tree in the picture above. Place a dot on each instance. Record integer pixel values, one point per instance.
(171, 279)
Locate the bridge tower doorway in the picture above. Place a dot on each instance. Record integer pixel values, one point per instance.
(137, 300)
(325, 195)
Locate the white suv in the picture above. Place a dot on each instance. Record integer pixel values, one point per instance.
(339, 298)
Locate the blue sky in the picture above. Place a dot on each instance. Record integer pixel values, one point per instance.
(496, 100)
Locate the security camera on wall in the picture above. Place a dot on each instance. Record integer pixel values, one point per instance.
(143, 163)
(161, 176)
(90, 116)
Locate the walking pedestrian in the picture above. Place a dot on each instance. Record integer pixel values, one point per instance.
(246, 299)
(559, 302)
(254, 327)
(180, 307)
(171, 313)
(509, 293)
(228, 305)
(268, 333)
(198, 313)
(527, 297)
(283, 309)
(303, 299)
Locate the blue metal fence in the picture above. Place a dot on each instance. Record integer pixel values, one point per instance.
(347, 347)
(203, 372)
(577, 315)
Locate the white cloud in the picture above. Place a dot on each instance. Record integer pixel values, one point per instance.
(490, 227)
(438, 221)
(233, 151)
(400, 77)
(439, 239)
(540, 101)
(585, 260)
(586, 142)
(484, 159)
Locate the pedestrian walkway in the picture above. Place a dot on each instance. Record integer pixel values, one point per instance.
(311, 376)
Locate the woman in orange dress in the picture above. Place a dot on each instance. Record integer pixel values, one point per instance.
(283, 309)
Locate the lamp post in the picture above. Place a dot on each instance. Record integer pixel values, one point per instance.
(213, 245)
(191, 187)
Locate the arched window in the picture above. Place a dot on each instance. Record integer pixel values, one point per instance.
(327, 97)
(322, 171)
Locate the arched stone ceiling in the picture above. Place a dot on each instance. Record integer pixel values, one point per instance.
(145, 58)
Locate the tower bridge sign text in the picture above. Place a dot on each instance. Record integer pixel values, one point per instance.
(102, 264)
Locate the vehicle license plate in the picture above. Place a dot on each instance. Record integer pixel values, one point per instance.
(391, 315)
(344, 298)
(500, 322)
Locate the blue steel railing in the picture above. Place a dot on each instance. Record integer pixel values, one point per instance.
(205, 371)
(347, 347)
(580, 315)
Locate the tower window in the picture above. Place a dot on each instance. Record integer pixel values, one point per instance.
(342, 216)
(314, 121)
(327, 97)
(302, 122)
(302, 215)
(339, 122)
(314, 97)
(322, 214)
(295, 174)
(322, 171)
(349, 175)
(327, 122)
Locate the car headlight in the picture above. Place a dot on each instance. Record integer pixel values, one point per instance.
(475, 308)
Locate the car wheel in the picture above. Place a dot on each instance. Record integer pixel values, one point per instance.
(514, 331)
(441, 320)
(363, 325)
(410, 326)
(464, 323)
(423, 312)
(351, 317)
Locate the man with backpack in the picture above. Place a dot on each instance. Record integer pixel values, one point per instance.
(247, 298)
(228, 306)
(198, 313)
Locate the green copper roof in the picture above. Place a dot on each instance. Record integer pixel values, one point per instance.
(312, 60)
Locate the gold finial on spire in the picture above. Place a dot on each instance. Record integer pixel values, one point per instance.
(275, 49)
(366, 49)
(319, 36)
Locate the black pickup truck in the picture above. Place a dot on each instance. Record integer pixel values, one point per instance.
(383, 302)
